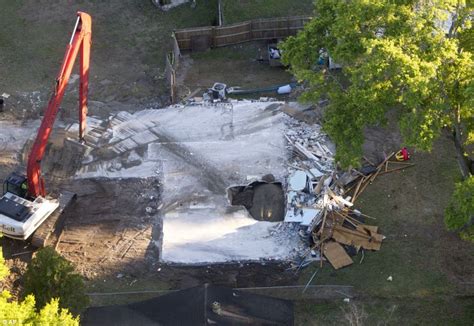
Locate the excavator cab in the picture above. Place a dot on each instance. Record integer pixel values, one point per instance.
(16, 184)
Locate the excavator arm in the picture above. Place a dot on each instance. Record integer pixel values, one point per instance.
(80, 43)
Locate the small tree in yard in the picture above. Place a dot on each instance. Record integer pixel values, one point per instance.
(25, 313)
(49, 276)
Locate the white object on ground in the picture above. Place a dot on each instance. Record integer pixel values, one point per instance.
(308, 215)
(298, 181)
(286, 89)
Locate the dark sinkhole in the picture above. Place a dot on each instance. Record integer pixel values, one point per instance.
(265, 201)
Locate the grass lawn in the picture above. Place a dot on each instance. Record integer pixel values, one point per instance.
(437, 311)
(129, 42)
(431, 268)
(233, 65)
(237, 11)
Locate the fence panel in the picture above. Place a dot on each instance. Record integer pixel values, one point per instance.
(172, 62)
(233, 34)
(260, 29)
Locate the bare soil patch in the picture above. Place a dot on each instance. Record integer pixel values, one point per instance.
(243, 65)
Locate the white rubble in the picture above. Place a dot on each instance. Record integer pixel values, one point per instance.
(13, 137)
(198, 152)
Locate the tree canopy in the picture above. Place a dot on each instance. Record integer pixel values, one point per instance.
(25, 313)
(412, 56)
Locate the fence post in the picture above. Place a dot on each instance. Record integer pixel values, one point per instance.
(173, 86)
(288, 26)
(213, 37)
(251, 30)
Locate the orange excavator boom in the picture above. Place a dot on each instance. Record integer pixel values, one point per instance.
(80, 43)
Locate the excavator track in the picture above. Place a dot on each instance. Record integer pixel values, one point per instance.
(50, 229)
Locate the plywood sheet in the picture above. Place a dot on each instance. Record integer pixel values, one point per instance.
(357, 238)
(336, 255)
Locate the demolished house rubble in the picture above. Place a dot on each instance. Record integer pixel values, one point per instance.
(321, 198)
(314, 201)
(197, 153)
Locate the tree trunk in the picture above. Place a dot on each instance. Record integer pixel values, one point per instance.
(462, 159)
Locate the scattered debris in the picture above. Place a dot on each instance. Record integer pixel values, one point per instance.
(310, 280)
(197, 151)
(274, 55)
(169, 4)
(284, 89)
(321, 199)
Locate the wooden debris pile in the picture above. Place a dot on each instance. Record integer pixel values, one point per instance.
(321, 199)
(343, 231)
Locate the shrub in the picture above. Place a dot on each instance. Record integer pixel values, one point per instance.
(24, 312)
(49, 276)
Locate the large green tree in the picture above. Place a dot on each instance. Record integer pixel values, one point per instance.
(411, 56)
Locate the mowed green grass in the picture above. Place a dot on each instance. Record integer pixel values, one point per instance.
(130, 39)
(396, 311)
(237, 11)
(429, 266)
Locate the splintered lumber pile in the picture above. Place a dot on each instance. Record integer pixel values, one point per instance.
(345, 228)
(356, 181)
(323, 201)
(322, 198)
(341, 230)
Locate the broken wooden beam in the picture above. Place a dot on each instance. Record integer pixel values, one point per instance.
(357, 238)
(397, 169)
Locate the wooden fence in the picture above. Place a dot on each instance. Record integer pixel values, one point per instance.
(202, 38)
(172, 63)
